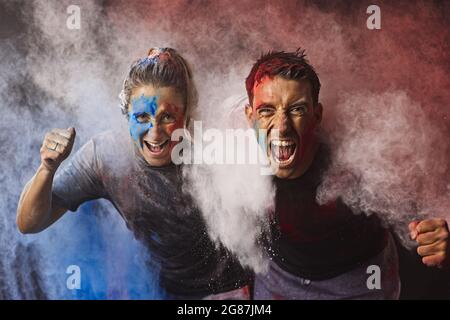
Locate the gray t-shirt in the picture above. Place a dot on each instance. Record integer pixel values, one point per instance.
(151, 201)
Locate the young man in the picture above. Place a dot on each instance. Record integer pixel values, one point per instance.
(136, 174)
(319, 252)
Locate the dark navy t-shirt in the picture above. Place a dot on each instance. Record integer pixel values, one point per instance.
(315, 241)
(151, 201)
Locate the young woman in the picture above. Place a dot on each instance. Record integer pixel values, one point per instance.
(137, 175)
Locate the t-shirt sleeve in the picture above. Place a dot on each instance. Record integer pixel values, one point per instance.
(79, 180)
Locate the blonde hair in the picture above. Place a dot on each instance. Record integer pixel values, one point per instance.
(162, 67)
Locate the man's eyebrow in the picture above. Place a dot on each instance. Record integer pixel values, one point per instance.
(301, 101)
(263, 104)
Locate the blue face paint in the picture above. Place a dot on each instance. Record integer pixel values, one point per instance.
(261, 136)
(141, 117)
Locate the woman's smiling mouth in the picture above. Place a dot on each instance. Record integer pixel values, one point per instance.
(156, 148)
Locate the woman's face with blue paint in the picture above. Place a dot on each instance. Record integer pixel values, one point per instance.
(154, 113)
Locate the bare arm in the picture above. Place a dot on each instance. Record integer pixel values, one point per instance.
(36, 210)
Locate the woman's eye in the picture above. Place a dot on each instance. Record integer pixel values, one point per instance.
(167, 118)
(143, 118)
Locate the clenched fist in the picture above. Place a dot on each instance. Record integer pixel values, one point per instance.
(432, 236)
(56, 147)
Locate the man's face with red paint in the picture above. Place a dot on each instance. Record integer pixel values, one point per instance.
(154, 113)
(285, 109)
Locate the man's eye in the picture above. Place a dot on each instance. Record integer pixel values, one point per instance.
(264, 112)
(143, 118)
(298, 110)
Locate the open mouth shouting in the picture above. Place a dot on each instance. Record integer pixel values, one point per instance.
(282, 151)
(157, 148)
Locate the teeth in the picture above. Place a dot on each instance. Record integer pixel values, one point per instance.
(155, 145)
(281, 143)
(283, 151)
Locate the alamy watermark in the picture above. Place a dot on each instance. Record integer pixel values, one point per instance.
(374, 20)
(374, 280)
(229, 146)
(73, 21)
(73, 281)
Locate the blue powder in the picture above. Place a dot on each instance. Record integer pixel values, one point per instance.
(153, 60)
(113, 263)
